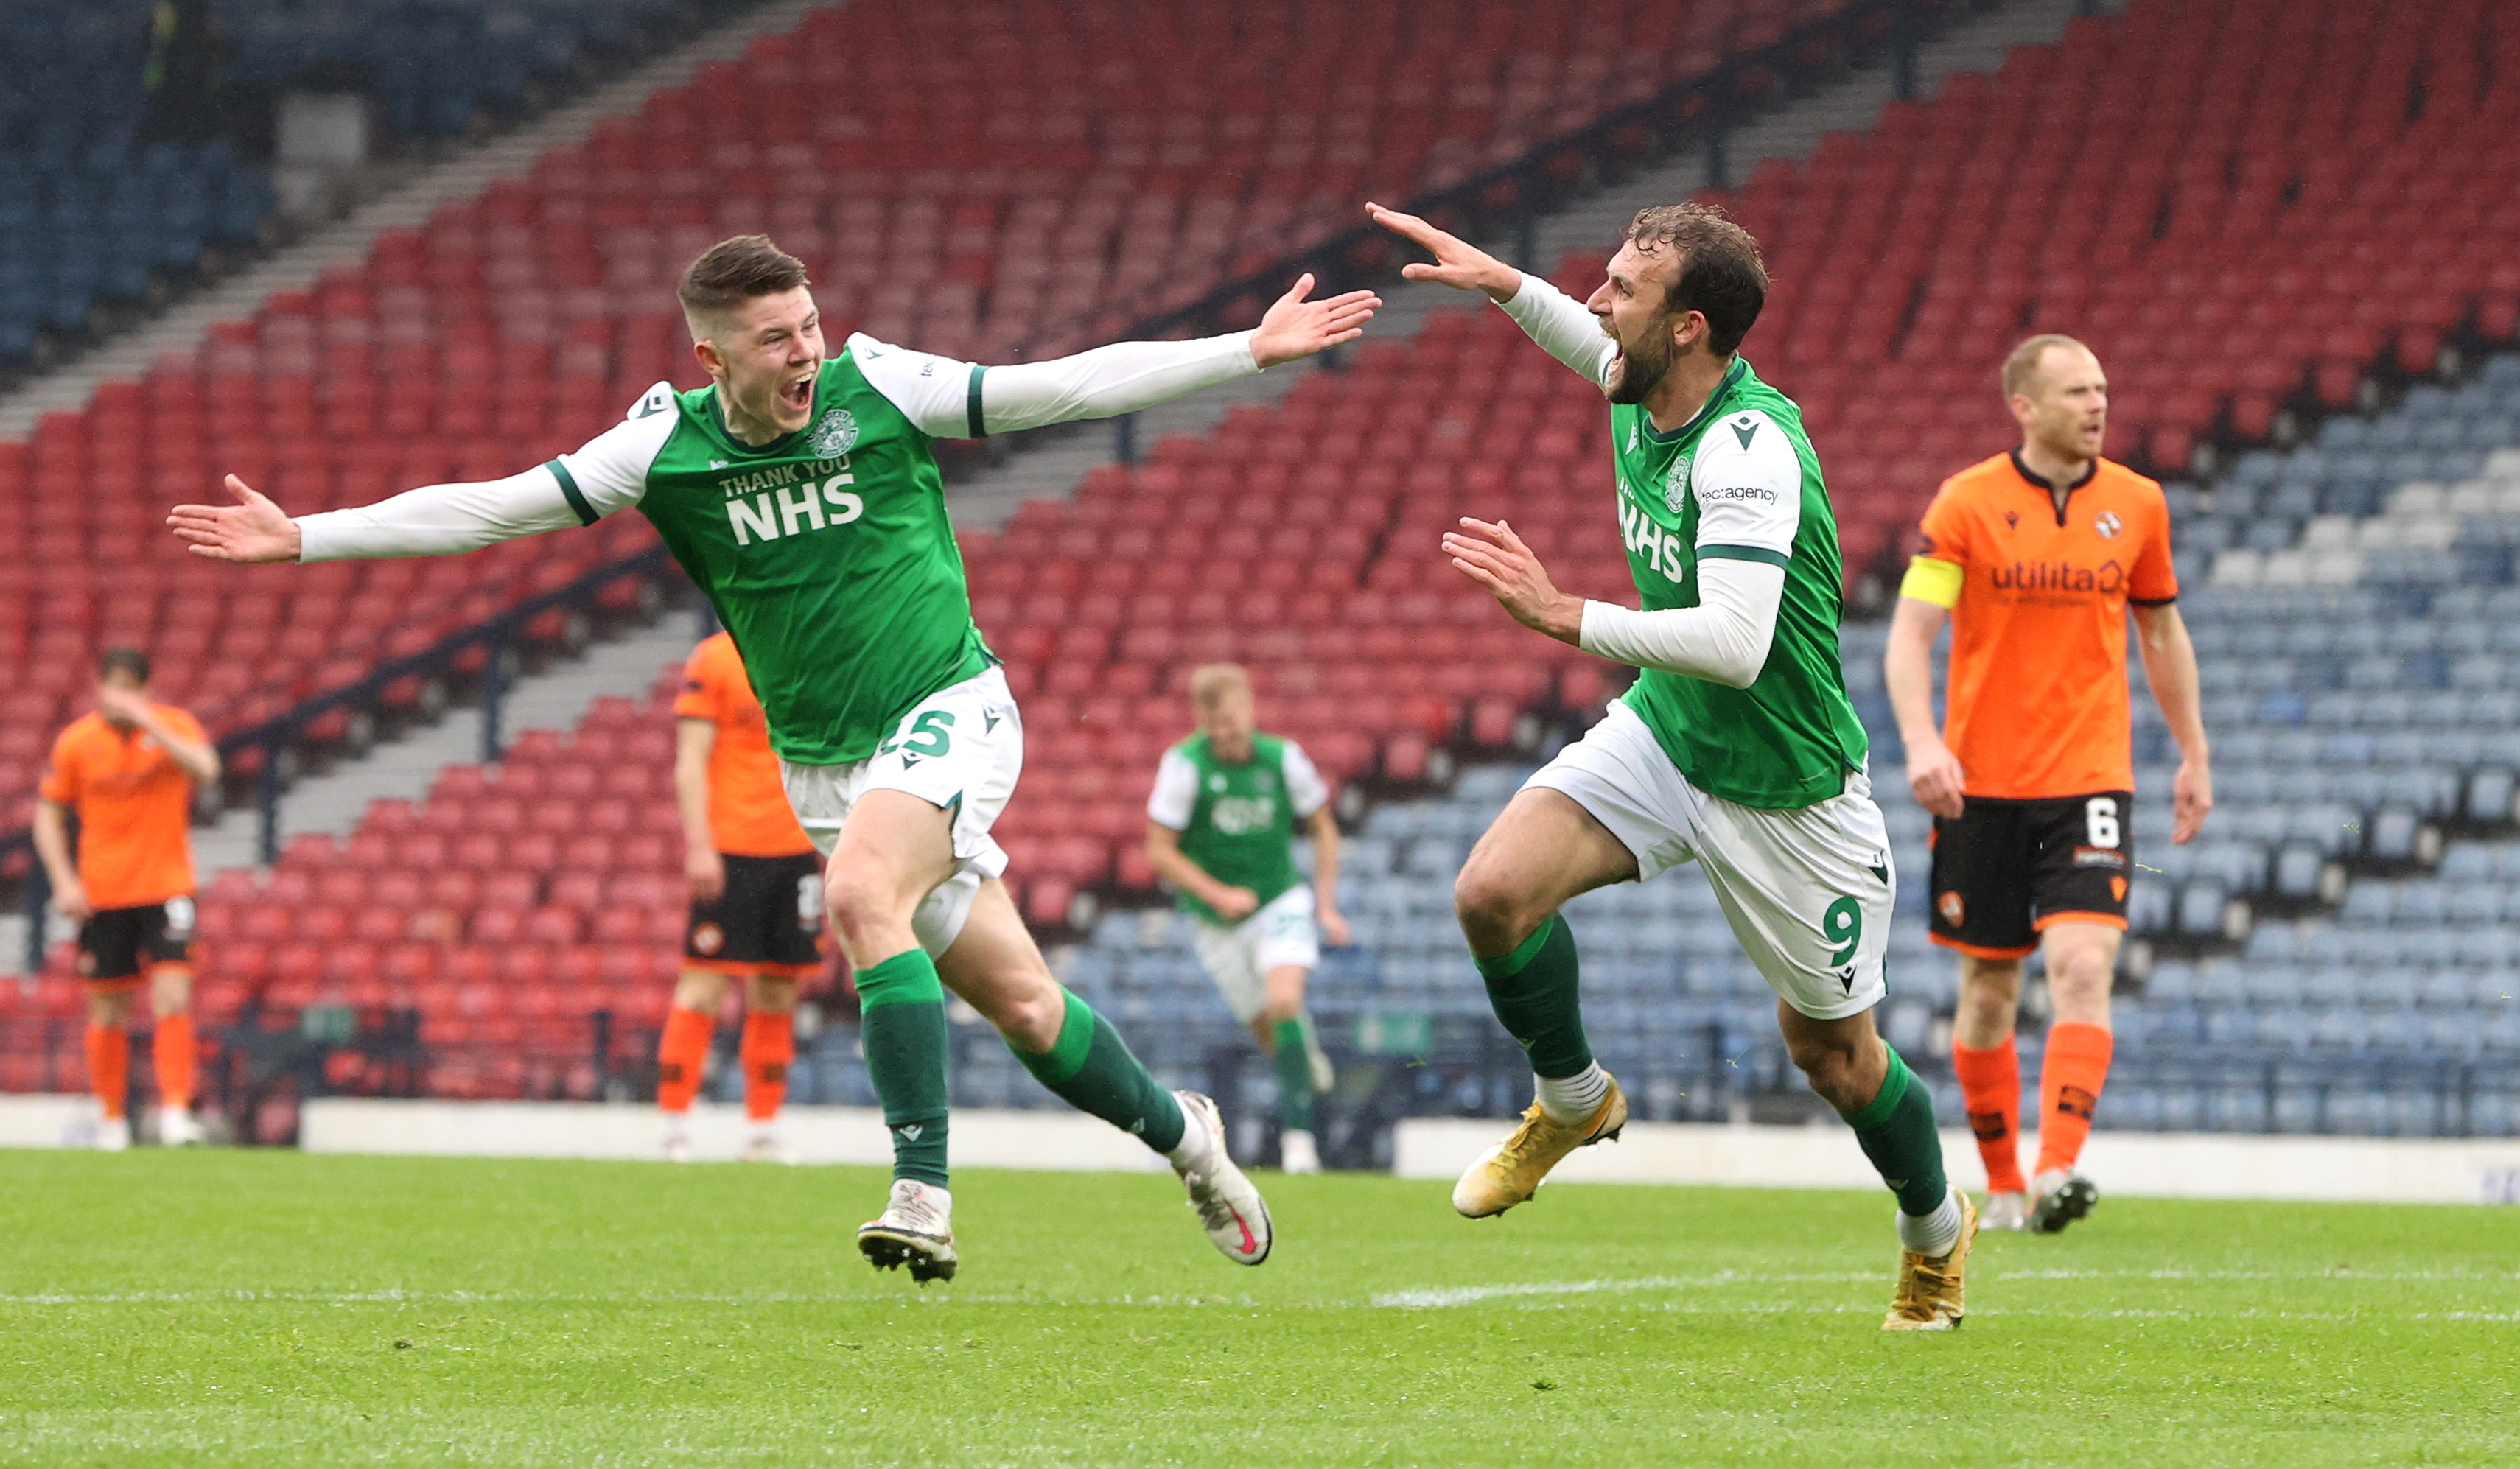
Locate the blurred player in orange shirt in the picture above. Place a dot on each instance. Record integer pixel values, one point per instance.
(128, 772)
(756, 899)
(2036, 557)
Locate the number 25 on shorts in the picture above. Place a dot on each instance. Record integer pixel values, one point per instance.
(930, 735)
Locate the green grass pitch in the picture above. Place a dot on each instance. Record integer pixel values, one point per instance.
(272, 1308)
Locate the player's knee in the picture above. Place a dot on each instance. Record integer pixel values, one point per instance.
(861, 902)
(1492, 910)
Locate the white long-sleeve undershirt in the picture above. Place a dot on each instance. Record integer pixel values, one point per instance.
(1107, 381)
(936, 393)
(440, 520)
(1724, 639)
(1562, 326)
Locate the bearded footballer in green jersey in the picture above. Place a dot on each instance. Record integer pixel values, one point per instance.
(800, 492)
(1736, 747)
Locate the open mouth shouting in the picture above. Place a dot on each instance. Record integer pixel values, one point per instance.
(797, 396)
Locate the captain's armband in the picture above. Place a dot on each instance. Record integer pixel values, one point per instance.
(1932, 579)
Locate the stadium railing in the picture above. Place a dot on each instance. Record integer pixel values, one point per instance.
(482, 652)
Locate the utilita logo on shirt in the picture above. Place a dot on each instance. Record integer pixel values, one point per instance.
(2107, 579)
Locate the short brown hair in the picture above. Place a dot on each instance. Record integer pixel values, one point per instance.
(130, 660)
(734, 270)
(2021, 368)
(1210, 683)
(1721, 275)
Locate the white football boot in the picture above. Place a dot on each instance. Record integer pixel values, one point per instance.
(1296, 1153)
(1229, 1209)
(676, 1143)
(764, 1146)
(915, 1230)
(2005, 1210)
(177, 1128)
(1324, 1078)
(113, 1134)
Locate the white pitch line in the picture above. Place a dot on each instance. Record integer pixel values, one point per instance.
(1443, 1296)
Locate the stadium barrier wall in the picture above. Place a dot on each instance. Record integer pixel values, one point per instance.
(2157, 1165)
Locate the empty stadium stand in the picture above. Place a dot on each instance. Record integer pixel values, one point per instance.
(396, 370)
(2183, 185)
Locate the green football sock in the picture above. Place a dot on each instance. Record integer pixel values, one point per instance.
(1897, 1132)
(1294, 1077)
(1534, 991)
(1091, 1068)
(903, 1028)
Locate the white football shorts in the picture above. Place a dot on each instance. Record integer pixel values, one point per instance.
(962, 750)
(1808, 893)
(1239, 955)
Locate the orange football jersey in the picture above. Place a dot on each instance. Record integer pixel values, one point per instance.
(134, 805)
(2037, 701)
(748, 811)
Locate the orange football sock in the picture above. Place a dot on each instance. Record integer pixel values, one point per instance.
(2069, 1091)
(172, 1051)
(769, 1045)
(681, 1059)
(108, 1066)
(1991, 1089)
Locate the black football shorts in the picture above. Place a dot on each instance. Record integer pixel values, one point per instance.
(2003, 870)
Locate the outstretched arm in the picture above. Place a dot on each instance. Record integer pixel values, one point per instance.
(609, 475)
(951, 399)
(438, 519)
(1551, 316)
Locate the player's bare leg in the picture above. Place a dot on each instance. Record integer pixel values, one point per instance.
(1542, 849)
(173, 1051)
(109, 1062)
(768, 1048)
(682, 1054)
(2082, 962)
(997, 969)
(1989, 1071)
(1849, 1067)
(894, 849)
(1285, 1037)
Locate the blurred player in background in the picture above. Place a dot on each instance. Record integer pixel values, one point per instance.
(128, 770)
(756, 900)
(1221, 828)
(1737, 748)
(2035, 557)
(801, 493)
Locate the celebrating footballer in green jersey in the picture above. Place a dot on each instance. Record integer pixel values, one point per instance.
(1736, 747)
(800, 492)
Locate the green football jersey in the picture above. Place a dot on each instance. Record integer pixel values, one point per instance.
(1237, 821)
(827, 552)
(1740, 480)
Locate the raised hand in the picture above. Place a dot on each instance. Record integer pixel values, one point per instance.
(251, 530)
(1460, 264)
(1495, 557)
(1296, 328)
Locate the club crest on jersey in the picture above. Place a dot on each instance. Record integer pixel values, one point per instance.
(1675, 485)
(837, 434)
(2108, 526)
